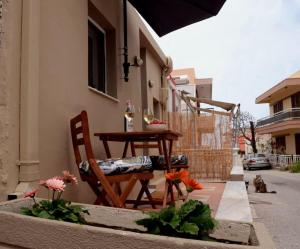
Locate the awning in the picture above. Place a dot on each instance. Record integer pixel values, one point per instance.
(224, 105)
(165, 16)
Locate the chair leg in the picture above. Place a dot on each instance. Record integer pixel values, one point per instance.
(128, 189)
(177, 185)
(140, 195)
(178, 189)
(105, 201)
(106, 185)
(150, 197)
(99, 200)
(171, 192)
(143, 190)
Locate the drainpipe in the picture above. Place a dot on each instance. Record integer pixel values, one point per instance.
(166, 70)
(29, 104)
(126, 64)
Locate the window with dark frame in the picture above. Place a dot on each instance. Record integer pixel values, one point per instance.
(296, 100)
(278, 107)
(96, 58)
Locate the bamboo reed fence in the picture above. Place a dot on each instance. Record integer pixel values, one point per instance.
(207, 141)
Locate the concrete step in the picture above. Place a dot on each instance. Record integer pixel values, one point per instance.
(237, 173)
(234, 204)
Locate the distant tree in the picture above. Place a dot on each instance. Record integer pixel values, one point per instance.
(266, 145)
(248, 123)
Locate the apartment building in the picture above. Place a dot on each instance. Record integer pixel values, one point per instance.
(283, 123)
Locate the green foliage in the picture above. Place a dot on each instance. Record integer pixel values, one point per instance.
(56, 210)
(295, 168)
(192, 220)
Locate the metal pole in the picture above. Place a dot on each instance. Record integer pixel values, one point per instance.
(126, 64)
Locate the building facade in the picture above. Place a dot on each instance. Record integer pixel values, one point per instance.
(58, 58)
(283, 123)
(184, 80)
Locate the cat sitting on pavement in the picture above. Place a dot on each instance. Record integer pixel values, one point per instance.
(260, 186)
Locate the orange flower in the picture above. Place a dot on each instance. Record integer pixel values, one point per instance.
(177, 177)
(192, 185)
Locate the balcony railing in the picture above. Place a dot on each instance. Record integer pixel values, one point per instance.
(283, 160)
(290, 113)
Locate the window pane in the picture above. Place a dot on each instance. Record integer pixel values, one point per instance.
(278, 107)
(91, 80)
(296, 100)
(96, 58)
(101, 61)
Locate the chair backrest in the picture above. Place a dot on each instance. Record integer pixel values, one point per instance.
(81, 137)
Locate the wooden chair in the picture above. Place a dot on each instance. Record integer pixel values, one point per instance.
(101, 184)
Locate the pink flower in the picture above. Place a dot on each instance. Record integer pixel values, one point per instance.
(42, 183)
(55, 184)
(31, 194)
(69, 178)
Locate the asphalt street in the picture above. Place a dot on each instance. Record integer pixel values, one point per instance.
(279, 212)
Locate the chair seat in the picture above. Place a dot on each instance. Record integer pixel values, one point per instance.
(177, 161)
(110, 167)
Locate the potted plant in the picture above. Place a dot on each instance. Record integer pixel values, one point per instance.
(56, 208)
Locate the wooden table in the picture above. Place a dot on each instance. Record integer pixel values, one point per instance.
(163, 140)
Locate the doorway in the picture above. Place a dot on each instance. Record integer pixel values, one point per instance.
(297, 143)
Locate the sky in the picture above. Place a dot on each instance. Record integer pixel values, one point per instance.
(250, 46)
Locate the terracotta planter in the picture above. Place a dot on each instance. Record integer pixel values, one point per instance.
(18, 230)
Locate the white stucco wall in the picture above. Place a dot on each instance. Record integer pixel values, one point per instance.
(10, 49)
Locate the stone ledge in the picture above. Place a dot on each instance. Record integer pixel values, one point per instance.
(237, 173)
(234, 205)
(20, 231)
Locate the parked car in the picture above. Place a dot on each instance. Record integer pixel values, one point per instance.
(256, 161)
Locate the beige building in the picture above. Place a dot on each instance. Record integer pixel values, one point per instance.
(184, 80)
(283, 123)
(56, 59)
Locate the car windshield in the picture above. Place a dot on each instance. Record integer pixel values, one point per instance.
(260, 155)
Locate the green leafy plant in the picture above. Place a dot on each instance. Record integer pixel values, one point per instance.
(56, 208)
(192, 220)
(295, 168)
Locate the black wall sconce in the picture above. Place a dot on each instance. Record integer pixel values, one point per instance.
(126, 63)
(137, 60)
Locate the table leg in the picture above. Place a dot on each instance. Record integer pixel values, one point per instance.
(160, 150)
(166, 193)
(125, 149)
(108, 155)
(132, 148)
(170, 147)
(166, 155)
(169, 184)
